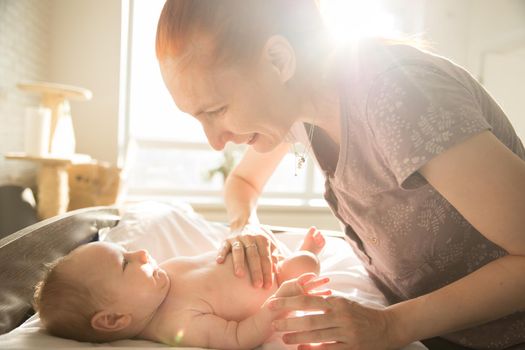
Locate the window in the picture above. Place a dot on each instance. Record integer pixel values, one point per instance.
(169, 154)
(171, 157)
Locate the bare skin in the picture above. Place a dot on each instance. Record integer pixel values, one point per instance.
(190, 301)
(258, 106)
(200, 286)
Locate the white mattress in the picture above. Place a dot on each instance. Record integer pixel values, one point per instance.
(167, 230)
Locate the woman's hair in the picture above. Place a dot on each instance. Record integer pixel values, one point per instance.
(238, 29)
(66, 305)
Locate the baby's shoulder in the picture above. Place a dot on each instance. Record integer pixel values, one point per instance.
(175, 321)
(182, 313)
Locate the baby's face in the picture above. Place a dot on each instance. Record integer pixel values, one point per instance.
(136, 283)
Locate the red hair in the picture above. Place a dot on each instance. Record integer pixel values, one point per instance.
(238, 29)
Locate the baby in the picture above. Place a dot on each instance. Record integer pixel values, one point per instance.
(100, 292)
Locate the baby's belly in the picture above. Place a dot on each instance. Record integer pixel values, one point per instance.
(236, 298)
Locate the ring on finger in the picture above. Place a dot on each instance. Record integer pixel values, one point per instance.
(250, 245)
(236, 245)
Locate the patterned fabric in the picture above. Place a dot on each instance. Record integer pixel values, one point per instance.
(400, 108)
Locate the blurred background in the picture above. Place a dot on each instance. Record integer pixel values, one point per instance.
(107, 46)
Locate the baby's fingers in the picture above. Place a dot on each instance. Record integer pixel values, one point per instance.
(321, 293)
(310, 284)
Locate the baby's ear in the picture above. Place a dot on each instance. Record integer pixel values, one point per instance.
(107, 321)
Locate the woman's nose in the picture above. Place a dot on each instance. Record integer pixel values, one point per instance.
(217, 138)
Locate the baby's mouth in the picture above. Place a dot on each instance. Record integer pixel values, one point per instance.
(153, 263)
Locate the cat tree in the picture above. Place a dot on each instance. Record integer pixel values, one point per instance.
(52, 181)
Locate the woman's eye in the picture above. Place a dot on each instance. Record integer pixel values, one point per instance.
(217, 112)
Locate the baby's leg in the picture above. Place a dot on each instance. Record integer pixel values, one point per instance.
(295, 265)
(305, 260)
(313, 241)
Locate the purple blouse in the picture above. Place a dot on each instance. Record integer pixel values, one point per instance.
(400, 108)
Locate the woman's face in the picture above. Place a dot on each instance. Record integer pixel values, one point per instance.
(251, 106)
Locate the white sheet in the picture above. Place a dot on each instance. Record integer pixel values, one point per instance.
(168, 230)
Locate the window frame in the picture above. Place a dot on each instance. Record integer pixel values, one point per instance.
(308, 197)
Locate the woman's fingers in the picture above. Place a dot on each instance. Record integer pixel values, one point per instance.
(341, 321)
(303, 323)
(265, 260)
(256, 251)
(254, 263)
(299, 302)
(238, 257)
(223, 251)
(314, 336)
(324, 346)
(314, 328)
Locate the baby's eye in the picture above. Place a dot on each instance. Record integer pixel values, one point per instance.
(124, 264)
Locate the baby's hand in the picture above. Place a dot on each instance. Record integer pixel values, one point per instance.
(304, 284)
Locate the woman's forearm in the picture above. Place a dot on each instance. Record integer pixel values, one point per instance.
(246, 182)
(489, 293)
(241, 201)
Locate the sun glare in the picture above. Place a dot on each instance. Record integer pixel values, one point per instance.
(351, 20)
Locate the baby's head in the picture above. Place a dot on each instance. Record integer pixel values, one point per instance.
(100, 292)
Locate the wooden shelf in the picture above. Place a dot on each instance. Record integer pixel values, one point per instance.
(50, 160)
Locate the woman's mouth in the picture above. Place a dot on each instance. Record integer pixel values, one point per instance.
(254, 138)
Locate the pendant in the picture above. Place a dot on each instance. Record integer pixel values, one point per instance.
(300, 161)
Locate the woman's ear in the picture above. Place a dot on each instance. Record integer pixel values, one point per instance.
(281, 56)
(107, 321)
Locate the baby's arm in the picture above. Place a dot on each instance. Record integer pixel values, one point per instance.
(208, 330)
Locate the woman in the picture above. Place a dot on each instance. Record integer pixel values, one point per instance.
(422, 168)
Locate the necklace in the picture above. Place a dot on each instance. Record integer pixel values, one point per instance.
(300, 159)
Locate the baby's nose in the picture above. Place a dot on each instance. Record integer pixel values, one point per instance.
(141, 255)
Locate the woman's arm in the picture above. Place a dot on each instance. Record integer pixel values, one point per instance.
(246, 182)
(485, 182)
(242, 189)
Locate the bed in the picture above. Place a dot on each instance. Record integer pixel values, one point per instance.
(164, 230)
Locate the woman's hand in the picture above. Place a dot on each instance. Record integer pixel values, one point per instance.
(343, 324)
(258, 250)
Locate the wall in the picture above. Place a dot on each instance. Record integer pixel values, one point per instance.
(491, 24)
(86, 52)
(73, 42)
(446, 28)
(78, 42)
(24, 54)
(496, 54)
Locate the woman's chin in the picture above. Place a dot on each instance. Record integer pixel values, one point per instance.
(262, 146)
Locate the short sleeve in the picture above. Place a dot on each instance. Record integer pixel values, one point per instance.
(415, 112)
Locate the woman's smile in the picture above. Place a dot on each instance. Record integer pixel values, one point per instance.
(254, 138)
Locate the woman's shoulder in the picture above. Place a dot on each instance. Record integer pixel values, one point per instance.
(371, 58)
